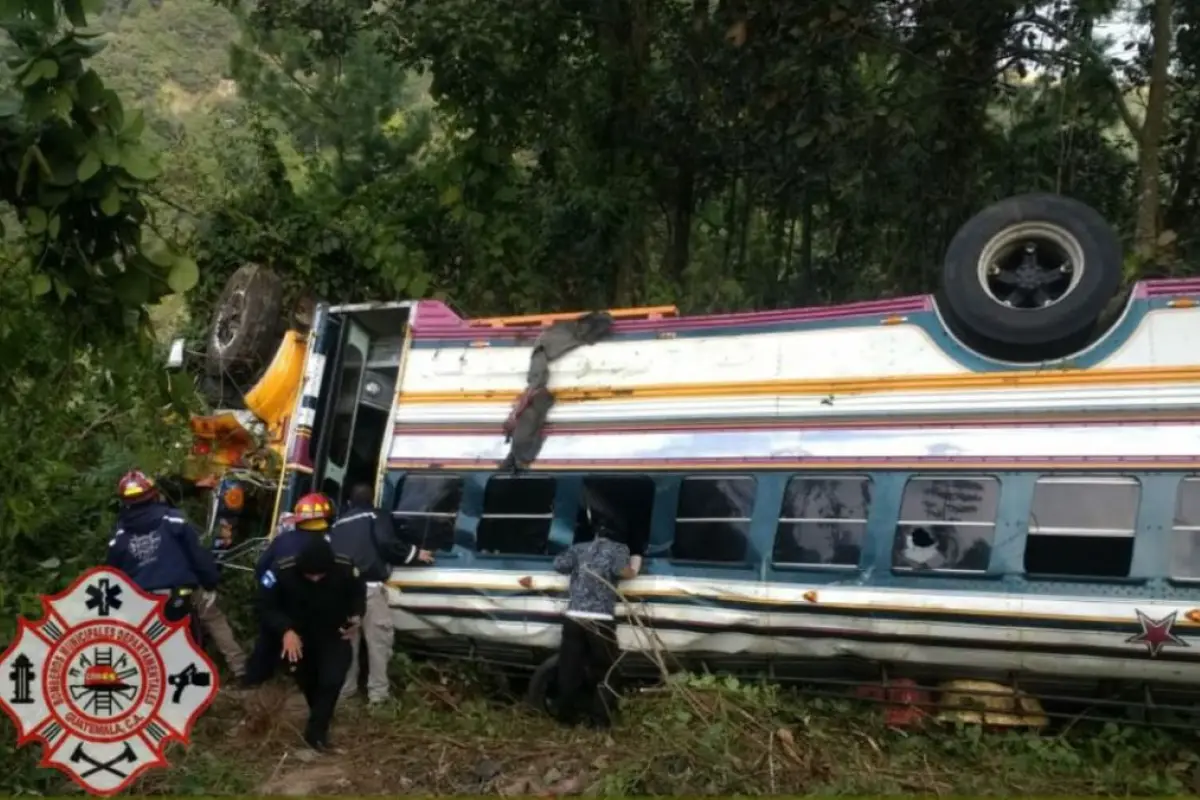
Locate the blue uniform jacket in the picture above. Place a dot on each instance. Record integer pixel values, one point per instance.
(156, 547)
(286, 544)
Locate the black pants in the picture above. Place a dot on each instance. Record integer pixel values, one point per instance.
(320, 674)
(587, 653)
(264, 659)
(181, 604)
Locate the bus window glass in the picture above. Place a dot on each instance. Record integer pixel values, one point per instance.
(621, 503)
(946, 524)
(426, 508)
(712, 522)
(823, 521)
(1185, 534)
(1082, 526)
(517, 515)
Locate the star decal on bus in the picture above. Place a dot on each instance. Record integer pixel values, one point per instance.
(1156, 633)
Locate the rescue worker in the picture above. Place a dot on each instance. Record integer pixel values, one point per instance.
(210, 615)
(588, 648)
(366, 536)
(310, 519)
(158, 549)
(315, 602)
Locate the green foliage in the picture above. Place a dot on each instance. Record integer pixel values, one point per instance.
(73, 166)
(712, 155)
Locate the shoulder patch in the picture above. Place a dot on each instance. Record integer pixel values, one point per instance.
(268, 579)
(354, 571)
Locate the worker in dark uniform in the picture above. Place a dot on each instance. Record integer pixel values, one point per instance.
(309, 520)
(158, 549)
(367, 537)
(315, 603)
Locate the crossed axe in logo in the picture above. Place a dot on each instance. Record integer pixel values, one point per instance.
(126, 756)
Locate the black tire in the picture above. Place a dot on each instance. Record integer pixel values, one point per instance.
(543, 686)
(1061, 229)
(246, 326)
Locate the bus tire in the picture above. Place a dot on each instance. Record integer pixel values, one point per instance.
(1029, 273)
(543, 686)
(245, 329)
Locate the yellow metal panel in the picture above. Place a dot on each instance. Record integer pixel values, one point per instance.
(274, 396)
(542, 320)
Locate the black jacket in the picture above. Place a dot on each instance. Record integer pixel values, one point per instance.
(158, 549)
(368, 538)
(313, 609)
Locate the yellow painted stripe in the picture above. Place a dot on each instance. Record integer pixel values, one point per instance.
(650, 594)
(916, 383)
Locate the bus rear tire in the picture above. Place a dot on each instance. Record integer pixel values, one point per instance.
(1029, 276)
(245, 329)
(542, 691)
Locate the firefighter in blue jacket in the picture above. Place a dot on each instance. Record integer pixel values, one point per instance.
(158, 549)
(311, 517)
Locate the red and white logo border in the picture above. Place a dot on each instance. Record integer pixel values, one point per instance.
(141, 619)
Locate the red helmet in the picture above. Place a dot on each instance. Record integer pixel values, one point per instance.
(135, 486)
(313, 512)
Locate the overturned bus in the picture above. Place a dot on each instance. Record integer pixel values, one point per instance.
(997, 483)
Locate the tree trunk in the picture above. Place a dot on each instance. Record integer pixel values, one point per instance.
(683, 202)
(1149, 150)
(1185, 184)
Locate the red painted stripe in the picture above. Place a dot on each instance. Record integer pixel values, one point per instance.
(441, 323)
(1166, 288)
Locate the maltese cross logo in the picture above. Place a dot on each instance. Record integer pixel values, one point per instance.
(104, 681)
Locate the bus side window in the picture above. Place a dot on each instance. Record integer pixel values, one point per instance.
(823, 522)
(946, 524)
(624, 503)
(1082, 526)
(712, 522)
(517, 515)
(425, 510)
(1185, 533)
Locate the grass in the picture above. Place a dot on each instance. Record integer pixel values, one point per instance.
(448, 731)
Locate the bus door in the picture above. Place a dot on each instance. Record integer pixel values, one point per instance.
(355, 415)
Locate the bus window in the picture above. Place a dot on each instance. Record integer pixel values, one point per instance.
(517, 515)
(623, 503)
(823, 522)
(712, 522)
(946, 524)
(1082, 526)
(1185, 534)
(426, 507)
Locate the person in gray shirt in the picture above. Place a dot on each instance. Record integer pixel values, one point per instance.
(588, 648)
(366, 536)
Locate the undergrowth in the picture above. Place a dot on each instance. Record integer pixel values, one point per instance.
(452, 731)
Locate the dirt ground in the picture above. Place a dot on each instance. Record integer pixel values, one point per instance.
(449, 734)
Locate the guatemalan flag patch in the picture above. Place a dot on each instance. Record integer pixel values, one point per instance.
(268, 579)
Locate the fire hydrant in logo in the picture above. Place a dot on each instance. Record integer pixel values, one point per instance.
(104, 681)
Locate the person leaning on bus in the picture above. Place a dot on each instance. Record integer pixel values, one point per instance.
(588, 648)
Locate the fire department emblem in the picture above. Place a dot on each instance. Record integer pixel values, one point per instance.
(104, 681)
